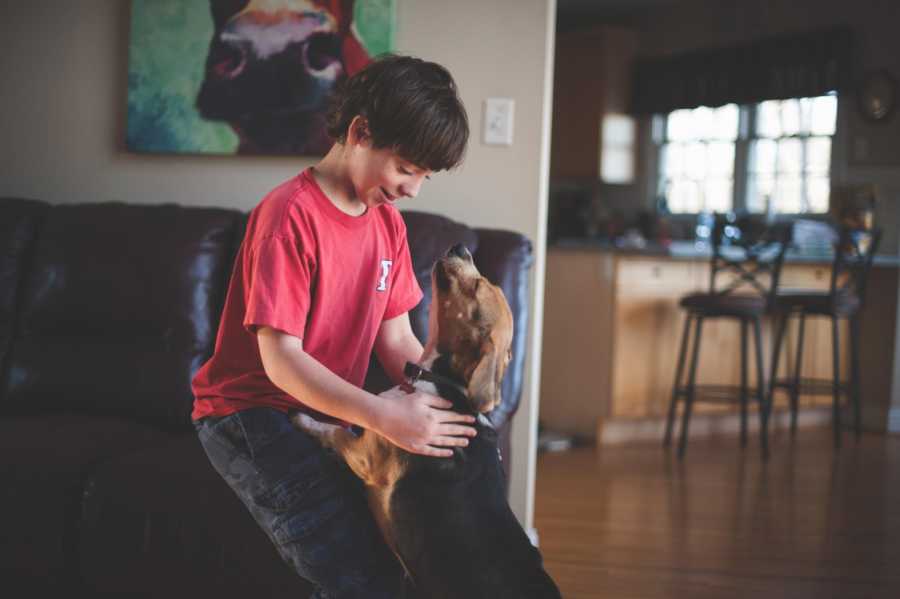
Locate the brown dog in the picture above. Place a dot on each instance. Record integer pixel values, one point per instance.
(447, 519)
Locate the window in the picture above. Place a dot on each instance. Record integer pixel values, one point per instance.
(772, 156)
(697, 159)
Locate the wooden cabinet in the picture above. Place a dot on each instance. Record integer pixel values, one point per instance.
(647, 327)
(612, 331)
(592, 81)
(576, 357)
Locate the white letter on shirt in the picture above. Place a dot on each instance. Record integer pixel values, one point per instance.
(385, 270)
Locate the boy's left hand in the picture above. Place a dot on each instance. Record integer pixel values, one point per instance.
(423, 423)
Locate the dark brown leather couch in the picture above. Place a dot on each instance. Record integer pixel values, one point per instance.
(106, 311)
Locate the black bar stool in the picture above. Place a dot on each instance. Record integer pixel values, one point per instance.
(853, 254)
(754, 260)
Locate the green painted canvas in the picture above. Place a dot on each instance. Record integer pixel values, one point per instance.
(251, 77)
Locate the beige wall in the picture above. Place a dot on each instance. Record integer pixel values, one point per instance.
(64, 79)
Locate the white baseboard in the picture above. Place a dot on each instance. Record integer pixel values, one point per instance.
(894, 420)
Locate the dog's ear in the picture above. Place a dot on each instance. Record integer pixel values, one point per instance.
(484, 384)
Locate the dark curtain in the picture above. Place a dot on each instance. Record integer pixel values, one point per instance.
(786, 66)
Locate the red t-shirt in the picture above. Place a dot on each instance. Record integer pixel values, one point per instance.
(314, 272)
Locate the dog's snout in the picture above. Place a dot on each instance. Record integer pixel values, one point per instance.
(460, 251)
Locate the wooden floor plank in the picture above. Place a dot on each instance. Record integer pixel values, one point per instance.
(634, 522)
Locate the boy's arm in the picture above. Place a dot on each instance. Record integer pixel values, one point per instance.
(395, 345)
(417, 422)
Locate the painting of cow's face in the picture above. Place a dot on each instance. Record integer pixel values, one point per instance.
(244, 76)
(270, 67)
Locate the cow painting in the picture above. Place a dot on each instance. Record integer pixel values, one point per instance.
(244, 76)
(271, 66)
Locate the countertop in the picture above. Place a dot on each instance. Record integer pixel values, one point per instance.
(687, 250)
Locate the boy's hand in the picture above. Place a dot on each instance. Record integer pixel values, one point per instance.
(423, 423)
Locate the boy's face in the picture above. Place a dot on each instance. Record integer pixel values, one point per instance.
(380, 175)
(383, 177)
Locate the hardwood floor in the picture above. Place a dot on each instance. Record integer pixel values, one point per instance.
(631, 522)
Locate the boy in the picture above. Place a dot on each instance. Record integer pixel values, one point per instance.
(322, 278)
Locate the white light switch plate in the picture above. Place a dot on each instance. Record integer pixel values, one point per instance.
(498, 121)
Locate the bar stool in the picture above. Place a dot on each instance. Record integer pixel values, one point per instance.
(757, 256)
(853, 254)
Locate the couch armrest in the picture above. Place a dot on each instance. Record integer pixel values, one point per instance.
(505, 258)
(19, 224)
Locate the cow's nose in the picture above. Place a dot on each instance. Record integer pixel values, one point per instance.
(228, 59)
(460, 251)
(264, 33)
(322, 52)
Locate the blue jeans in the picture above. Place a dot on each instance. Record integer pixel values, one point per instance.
(307, 500)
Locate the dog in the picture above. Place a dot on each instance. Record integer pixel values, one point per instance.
(271, 66)
(447, 519)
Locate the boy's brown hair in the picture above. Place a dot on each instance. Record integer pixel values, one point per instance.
(411, 106)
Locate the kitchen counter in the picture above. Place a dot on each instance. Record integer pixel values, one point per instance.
(613, 325)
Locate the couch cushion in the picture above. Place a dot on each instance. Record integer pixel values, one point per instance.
(19, 222)
(505, 258)
(166, 510)
(121, 309)
(45, 461)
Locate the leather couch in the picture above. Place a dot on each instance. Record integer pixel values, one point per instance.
(106, 311)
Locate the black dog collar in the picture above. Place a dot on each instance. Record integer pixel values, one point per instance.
(414, 372)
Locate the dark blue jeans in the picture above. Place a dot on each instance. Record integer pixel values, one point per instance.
(307, 500)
